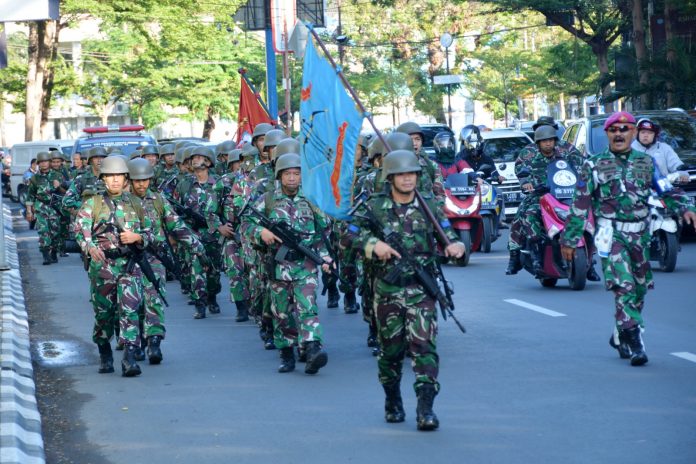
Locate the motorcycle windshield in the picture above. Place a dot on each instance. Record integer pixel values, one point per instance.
(562, 179)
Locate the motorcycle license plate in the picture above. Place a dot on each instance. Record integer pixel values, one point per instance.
(463, 190)
(512, 197)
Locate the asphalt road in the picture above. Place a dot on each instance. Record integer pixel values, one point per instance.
(522, 386)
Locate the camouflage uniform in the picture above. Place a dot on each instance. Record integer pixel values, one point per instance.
(116, 290)
(616, 187)
(527, 223)
(164, 175)
(64, 222)
(85, 182)
(293, 282)
(40, 195)
(179, 187)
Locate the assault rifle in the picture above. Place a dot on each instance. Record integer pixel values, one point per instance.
(408, 265)
(194, 217)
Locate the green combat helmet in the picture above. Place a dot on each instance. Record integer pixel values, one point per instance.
(545, 121)
(96, 152)
(113, 165)
(43, 156)
(399, 141)
(375, 149)
(410, 128)
(188, 152)
(234, 156)
(544, 132)
(135, 155)
(273, 138)
(204, 151)
(167, 149)
(260, 130)
(56, 154)
(287, 161)
(399, 162)
(140, 169)
(288, 145)
(150, 150)
(224, 148)
(249, 150)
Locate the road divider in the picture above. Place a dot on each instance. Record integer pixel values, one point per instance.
(533, 307)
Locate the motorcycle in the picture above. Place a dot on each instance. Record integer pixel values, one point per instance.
(491, 209)
(555, 202)
(665, 228)
(463, 201)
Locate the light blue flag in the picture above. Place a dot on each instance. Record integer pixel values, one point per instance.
(330, 127)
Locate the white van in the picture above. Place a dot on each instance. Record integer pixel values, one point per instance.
(23, 153)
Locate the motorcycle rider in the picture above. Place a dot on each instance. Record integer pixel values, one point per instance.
(666, 159)
(443, 143)
(472, 151)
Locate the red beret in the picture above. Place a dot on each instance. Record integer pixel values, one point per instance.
(620, 117)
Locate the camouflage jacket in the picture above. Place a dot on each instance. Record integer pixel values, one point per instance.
(616, 187)
(369, 181)
(430, 182)
(220, 168)
(530, 150)
(74, 172)
(183, 183)
(309, 224)
(198, 197)
(225, 206)
(163, 218)
(41, 187)
(85, 182)
(163, 175)
(538, 165)
(100, 230)
(409, 223)
(262, 171)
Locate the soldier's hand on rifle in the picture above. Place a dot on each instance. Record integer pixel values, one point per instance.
(384, 251)
(128, 238)
(269, 238)
(328, 264)
(455, 250)
(97, 254)
(226, 230)
(56, 183)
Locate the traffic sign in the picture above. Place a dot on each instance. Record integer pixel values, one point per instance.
(448, 79)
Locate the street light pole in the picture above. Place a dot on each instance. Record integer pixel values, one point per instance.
(446, 41)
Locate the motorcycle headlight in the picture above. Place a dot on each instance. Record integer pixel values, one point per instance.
(562, 213)
(449, 204)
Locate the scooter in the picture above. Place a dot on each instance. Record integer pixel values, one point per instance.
(555, 206)
(491, 209)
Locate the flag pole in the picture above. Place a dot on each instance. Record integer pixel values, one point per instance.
(431, 217)
(242, 72)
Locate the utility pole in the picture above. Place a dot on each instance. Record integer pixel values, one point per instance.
(339, 34)
(446, 41)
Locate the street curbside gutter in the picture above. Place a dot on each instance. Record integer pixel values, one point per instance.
(21, 440)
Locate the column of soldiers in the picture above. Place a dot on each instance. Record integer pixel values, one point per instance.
(191, 212)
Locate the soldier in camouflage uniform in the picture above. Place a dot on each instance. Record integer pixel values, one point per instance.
(88, 181)
(58, 165)
(406, 314)
(166, 169)
(258, 138)
(41, 204)
(165, 224)
(205, 276)
(249, 156)
(293, 281)
(615, 186)
(223, 213)
(430, 182)
(222, 152)
(527, 229)
(108, 226)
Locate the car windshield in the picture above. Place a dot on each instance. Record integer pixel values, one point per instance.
(679, 133)
(504, 150)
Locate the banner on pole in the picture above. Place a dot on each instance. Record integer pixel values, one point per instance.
(251, 113)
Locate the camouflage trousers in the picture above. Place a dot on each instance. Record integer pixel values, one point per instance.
(46, 220)
(627, 273)
(63, 229)
(153, 308)
(116, 296)
(186, 264)
(235, 268)
(295, 312)
(406, 321)
(348, 261)
(526, 224)
(253, 271)
(367, 294)
(205, 280)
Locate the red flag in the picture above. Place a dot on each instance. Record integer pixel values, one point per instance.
(251, 113)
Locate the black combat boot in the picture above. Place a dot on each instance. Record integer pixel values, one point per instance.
(200, 310)
(334, 296)
(350, 304)
(287, 360)
(106, 358)
(372, 339)
(619, 340)
(242, 310)
(316, 358)
(302, 353)
(154, 353)
(427, 420)
(393, 405)
(536, 250)
(139, 353)
(129, 367)
(592, 275)
(213, 305)
(46, 257)
(54, 255)
(514, 265)
(635, 340)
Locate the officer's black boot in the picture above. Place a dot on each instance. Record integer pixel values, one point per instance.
(536, 249)
(350, 304)
(620, 341)
(129, 367)
(371, 338)
(54, 255)
(287, 360)
(213, 305)
(154, 353)
(200, 310)
(635, 340)
(46, 257)
(242, 310)
(393, 405)
(427, 420)
(106, 358)
(514, 264)
(316, 357)
(139, 352)
(333, 298)
(592, 275)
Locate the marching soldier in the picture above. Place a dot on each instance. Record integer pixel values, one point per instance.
(406, 315)
(167, 168)
(89, 180)
(41, 204)
(430, 182)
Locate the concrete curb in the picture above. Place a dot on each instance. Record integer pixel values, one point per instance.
(21, 440)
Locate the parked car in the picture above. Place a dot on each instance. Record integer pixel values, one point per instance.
(429, 133)
(526, 127)
(126, 138)
(22, 154)
(503, 145)
(678, 129)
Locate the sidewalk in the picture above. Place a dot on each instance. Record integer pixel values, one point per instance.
(20, 423)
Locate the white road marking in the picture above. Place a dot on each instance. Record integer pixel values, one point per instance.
(685, 355)
(536, 308)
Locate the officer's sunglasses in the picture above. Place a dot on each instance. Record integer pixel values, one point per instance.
(615, 129)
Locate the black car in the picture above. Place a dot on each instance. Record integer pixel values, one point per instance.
(678, 130)
(429, 133)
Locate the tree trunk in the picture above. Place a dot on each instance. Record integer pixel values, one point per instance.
(561, 104)
(209, 124)
(48, 81)
(602, 54)
(506, 114)
(43, 37)
(641, 52)
(671, 55)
